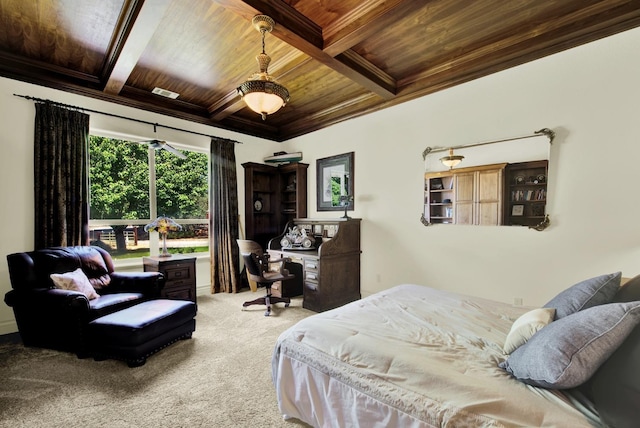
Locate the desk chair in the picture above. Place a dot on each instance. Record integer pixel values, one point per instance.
(258, 270)
(247, 246)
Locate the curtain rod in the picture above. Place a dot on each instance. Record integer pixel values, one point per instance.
(544, 131)
(41, 100)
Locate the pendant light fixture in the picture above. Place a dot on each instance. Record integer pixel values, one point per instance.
(261, 92)
(451, 160)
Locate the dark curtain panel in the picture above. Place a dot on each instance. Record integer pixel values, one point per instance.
(223, 219)
(61, 176)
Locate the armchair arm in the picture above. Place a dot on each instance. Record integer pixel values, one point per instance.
(280, 261)
(147, 283)
(52, 299)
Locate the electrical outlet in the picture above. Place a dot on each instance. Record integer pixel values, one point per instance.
(517, 301)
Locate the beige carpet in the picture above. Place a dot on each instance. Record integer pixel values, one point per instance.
(219, 378)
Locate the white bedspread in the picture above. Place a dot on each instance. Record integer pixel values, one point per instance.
(410, 356)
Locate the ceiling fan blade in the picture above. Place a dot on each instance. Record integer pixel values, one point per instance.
(160, 144)
(152, 143)
(173, 150)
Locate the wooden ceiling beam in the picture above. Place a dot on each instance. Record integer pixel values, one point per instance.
(137, 24)
(370, 18)
(301, 33)
(327, 116)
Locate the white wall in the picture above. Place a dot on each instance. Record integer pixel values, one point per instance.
(588, 95)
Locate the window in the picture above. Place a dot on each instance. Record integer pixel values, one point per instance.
(131, 184)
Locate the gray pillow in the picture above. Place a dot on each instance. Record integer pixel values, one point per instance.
(567, 352)
(585, 294)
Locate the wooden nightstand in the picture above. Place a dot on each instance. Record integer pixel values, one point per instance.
(179, 273)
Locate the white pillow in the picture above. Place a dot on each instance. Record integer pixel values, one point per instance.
(526, 326)
(75, 281)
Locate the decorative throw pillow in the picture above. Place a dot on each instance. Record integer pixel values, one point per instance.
(586, 294)
(75, 281)
(526, 326)
(568, 351)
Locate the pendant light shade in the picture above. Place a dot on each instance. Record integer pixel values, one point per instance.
(451, 160)
(261, 92)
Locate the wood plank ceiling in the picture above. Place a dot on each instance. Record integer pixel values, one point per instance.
(339, 59)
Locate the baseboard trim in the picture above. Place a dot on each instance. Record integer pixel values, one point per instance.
(202, 290)
(8, 326)
(12, 338)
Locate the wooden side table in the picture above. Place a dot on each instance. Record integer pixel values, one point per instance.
(179, 273)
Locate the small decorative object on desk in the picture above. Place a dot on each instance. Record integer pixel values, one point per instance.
(163, 225)
(296, 239)
(345, 201)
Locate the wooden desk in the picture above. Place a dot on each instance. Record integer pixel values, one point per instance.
(331, 271)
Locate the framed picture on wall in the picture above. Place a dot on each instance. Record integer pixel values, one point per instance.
(517, 210)
(335, 179)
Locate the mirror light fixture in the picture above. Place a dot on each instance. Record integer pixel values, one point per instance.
(451, 160)
(261, 92)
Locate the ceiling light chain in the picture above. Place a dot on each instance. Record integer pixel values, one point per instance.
(261, 92)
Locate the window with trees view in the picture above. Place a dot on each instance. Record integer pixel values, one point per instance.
(131, 184)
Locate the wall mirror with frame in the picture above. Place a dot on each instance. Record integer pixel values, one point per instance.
(335, 182)
(502, 182)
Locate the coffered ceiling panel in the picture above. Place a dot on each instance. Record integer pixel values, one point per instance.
(339, 59)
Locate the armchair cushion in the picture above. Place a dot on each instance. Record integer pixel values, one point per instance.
(76, 281)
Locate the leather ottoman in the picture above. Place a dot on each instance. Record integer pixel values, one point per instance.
(137, 332)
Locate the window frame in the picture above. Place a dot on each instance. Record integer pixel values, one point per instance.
(154, 239)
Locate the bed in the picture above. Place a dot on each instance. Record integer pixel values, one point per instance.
(415, 356)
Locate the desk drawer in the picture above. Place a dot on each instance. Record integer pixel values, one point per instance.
(313, 286)
(311, 269)
(311, 264)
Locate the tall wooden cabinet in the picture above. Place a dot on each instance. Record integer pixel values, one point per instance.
(526, 193)
(439, 197)
(478, 195)
(292, 192)
(471, 195)
(273, 196)
(330, 270)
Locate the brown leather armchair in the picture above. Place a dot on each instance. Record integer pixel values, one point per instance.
(49, 317)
